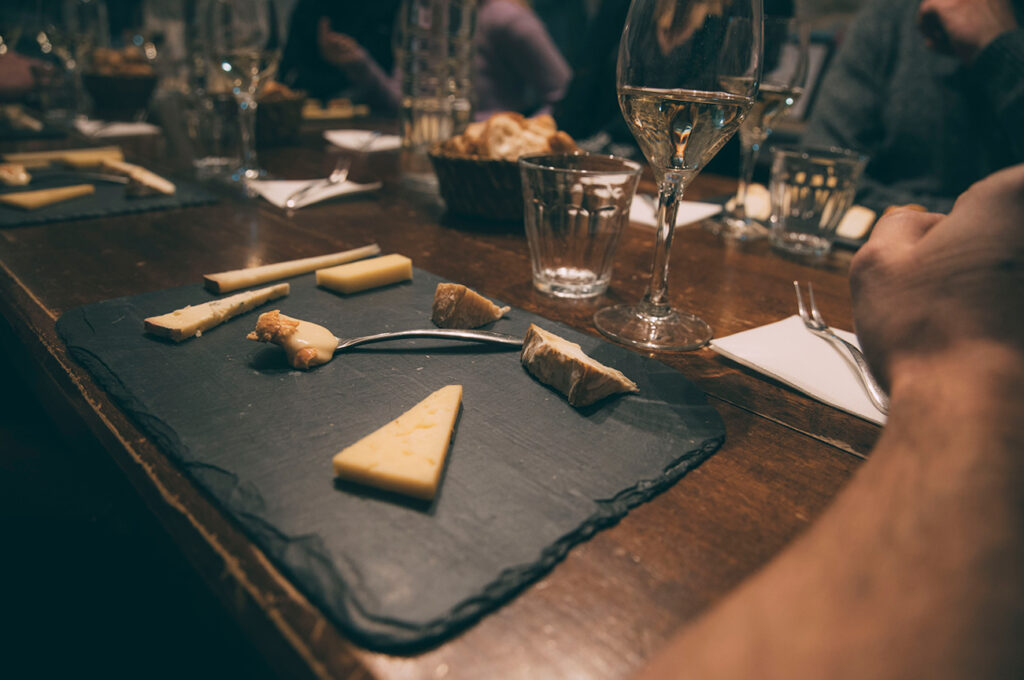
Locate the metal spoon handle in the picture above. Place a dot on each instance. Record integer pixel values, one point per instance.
(448, 333)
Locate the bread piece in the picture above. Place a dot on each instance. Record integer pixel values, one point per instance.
(143, 182)
(225, 282)
(306, 344)
(191, 321)
(456, 306)
(564, 366)
(32, 200)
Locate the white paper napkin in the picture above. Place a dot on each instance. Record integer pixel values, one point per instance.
(354, 139)
(278, 191)
(100, 128)
(788, 352)
(689, 212)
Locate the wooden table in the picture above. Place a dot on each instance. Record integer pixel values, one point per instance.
(615, 600)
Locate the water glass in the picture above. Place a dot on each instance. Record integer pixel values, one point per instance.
(575, 206)
(811, 189)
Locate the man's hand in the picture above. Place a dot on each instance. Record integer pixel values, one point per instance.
(926, 284)
(337, 49)
(964, 27)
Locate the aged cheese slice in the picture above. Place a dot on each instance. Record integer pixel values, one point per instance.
(225, 282)
(14, 174)
(31, 200)
(143, 182)
(357, 276)
(456, 306)
(306, 344)
(78, 158)
(406, 455)
(563, 365)
(190, 321)
(856, 223)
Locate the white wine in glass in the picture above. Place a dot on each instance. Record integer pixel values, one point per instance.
(675, 58)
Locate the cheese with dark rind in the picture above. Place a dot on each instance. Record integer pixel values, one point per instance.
(40, 198)
(191, 321)
(456, 306)
(564, 366)
(407, 455)
(365, 274)
(225, 282)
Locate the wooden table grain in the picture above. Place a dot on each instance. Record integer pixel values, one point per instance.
(616, 598)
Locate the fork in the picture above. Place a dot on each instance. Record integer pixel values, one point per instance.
(450, 333)
(338, 175)
(815, 323)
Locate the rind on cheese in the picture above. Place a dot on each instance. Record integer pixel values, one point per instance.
(564, 366)
(456, 306)
(143, 182)
(187, 322)
(306, 344)
(40, 198)
(365, 274)
(225, 282)
(407, 455)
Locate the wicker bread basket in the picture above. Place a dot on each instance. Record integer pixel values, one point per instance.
(479, 187)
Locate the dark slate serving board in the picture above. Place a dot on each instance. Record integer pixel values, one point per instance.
(527, 477)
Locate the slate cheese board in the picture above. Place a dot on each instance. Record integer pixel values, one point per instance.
(527, 475)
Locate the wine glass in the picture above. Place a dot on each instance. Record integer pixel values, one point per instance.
(243, 53)
(786, 45)
(688, 72)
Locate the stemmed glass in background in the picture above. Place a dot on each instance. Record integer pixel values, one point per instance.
(786, 45)
(688, 72)
(243, 51)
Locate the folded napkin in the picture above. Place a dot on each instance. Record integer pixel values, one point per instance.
(100, 128)
(788, 352)
(278, 191)
(354, 139)
(644, 212)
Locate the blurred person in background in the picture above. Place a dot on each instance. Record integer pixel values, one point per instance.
(932, 91)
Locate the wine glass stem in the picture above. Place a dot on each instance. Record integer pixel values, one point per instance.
(670, 193)
(247, 123)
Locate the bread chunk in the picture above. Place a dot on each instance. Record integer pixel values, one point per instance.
(564, 366)
(456, 306)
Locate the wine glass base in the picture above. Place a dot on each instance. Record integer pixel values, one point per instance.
(737, 228)
(633, 325)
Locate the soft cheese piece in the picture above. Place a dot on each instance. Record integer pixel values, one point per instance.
(225, 282)
(78, 158)
(856, 223)
(32, 200)
(14, 175)
(190, 321)
(143, 182)
(306, 344)
(365, 274)
(406, 455)
(563, 365)
(456, 306)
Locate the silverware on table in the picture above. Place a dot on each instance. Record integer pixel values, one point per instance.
(815, 323)
(338, 175)
(449, 333)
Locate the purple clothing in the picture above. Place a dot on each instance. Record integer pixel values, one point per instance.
(517, 65)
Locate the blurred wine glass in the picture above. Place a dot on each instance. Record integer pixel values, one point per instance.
(243, 55)
(786, 46)
(688, 72)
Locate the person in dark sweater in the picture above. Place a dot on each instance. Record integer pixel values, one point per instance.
(932, 91)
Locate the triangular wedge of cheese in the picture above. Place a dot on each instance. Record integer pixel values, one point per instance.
(456, 306)
(40, 198)
(406, 455)
(191, 321)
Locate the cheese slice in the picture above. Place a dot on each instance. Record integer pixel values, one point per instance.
(406, 455)
(184, 323)
(225, 282)
(143, 182)
(366, 274)
(306, 344)
(563, 365)
(456, 306)
(78, 158)
(40, 198)
(14, 174)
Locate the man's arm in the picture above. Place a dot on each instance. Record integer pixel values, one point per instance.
(915, 570)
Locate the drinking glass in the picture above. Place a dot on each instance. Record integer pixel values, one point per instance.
(243, 52)
(688, 73)
(786, 45)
